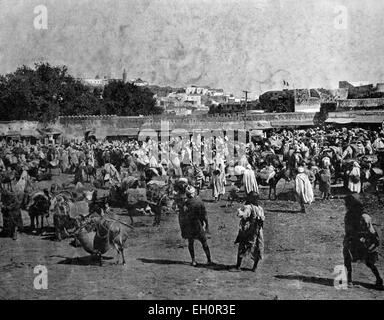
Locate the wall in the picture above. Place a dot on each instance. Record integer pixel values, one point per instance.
(17, 126)
(380, 87)
(75, 127)
(310, 105)
(360, 103)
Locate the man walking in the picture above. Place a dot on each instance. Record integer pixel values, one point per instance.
(250, 236)
(194, 224)
(361, 240)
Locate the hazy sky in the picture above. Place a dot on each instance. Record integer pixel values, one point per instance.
(235, 45)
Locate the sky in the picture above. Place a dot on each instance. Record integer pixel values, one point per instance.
(255, 45)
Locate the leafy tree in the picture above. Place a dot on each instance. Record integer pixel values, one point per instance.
(126, 99)
(45, 92)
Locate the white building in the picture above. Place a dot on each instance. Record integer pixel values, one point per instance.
(94, 82)
(197, 90)
(193, 99)
(139, 83)
(216, 92)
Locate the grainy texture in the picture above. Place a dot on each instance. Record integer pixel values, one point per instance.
(230, 44)
(301, 252)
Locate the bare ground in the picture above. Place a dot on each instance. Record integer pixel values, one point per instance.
(301, 253)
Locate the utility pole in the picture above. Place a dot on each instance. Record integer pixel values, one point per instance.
(246, 107)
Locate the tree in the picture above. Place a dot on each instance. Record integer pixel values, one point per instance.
(126, 99)
(44, 93)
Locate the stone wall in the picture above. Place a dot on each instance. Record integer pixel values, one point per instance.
(6, 126)
(310, 105)
(360, 103)
(103, 126)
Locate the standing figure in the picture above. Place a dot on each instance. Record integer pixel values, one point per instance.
(361, 240)
(304, 191)
(312, 172)
(12, 220)
(325, 183)
(354, 183)
(218, 187)
(194, 224)
(250, 237)
(64, 161)
(249, 180)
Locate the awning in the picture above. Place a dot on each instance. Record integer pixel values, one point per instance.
(30, 133)
(13, 134)
(295, 123)
(260, 125)
(369, 119)
(90, 132)
(340, 120)
(126, 132)
(256, 133)
(49, 131)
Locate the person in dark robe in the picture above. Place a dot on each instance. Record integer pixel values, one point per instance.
(361, 240)
(10, 208)
(325, 183)
(194, 224)
(250, 236)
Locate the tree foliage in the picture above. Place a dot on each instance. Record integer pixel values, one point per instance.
(45, 92)
(126, 99)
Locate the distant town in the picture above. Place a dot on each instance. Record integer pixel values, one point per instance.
(195, 100)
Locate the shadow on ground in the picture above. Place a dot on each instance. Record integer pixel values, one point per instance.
(284, 211)
(83, 261)
(321, 281)
(215, 266)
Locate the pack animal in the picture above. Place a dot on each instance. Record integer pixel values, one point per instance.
(108, 233)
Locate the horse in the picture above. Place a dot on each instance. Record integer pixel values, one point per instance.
(158, 196)
(129, 194)
(38, 206)
(283, 173)
(85, 172)
(90, 172)
(136, 201)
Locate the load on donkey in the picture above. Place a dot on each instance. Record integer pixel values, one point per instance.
(270, 169)
(96, 231)
(69, 210)
(371, 173)
(140, 197)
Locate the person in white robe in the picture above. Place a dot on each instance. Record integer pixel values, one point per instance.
(303, 187)
(20, 185)
(218, 182)
(249, 181)
(354, 183)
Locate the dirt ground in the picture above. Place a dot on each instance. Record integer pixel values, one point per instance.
(301, 254)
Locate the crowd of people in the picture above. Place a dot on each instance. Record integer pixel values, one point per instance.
(309, 157)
